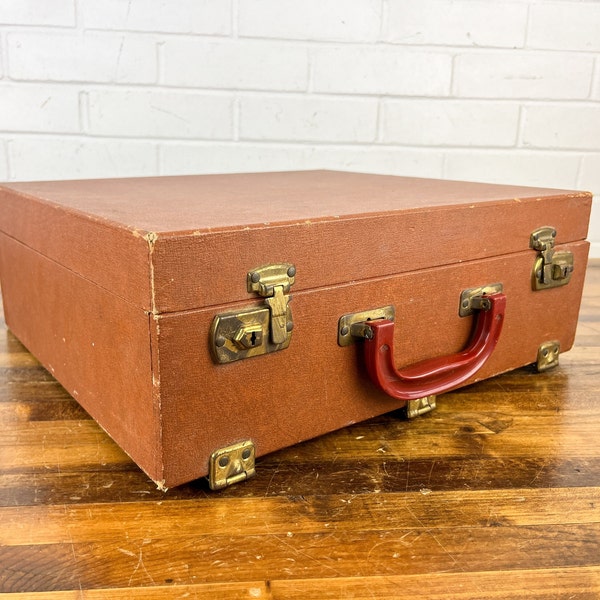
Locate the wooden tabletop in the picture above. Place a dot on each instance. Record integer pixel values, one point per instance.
(496, 494)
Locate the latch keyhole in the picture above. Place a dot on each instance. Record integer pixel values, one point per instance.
(249, 336)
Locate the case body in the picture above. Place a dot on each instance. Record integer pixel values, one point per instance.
(114, 285)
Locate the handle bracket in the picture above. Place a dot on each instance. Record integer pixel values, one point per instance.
(351, 327)
(475, 298)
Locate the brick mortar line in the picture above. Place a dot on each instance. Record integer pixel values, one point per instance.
(281, 142)
(98, 86)
(450, 48)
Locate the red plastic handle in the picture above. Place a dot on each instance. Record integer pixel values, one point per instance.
(435, 375)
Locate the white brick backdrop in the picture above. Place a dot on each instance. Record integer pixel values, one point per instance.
(494, 90)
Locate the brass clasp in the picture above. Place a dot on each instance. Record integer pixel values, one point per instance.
(257, 330)
(551, 268)
(273, 282)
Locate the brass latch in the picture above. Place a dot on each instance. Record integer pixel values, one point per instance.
(260, 329)
(551, 268)
(231, 465)
(272, 282)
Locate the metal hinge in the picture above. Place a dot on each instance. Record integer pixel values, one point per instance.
(257, 330)
(231, 464)
(551, 269)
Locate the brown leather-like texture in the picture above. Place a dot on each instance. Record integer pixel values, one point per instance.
(113, 286)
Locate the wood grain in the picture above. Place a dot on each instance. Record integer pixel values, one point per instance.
(494, 495)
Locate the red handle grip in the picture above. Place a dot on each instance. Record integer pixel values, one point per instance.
(435, 375)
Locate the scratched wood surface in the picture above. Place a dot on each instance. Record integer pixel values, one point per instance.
(494, 495)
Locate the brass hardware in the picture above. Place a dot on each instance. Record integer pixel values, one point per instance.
(273, 282)
(420, 406)
(547, 357)
(263, 280)
(249, 336)
(475, 298)
(353, 325)
(244, 334)
(257, 330)
(231, 465)
(551, 268)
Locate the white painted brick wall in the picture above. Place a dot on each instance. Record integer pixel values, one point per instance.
(522, 74)
(3, 162)
(38, 12)
(30, 157)
(562, 26)
(456, 23)
(501, 91)
(323, 20)
(39, 107)
(349, 69)
(575, 127)
(449, 123)
(71, 56)
(160, 114)
(235, 64)
(308, 119)
(549, 169)
(211, 17)
(590, 171)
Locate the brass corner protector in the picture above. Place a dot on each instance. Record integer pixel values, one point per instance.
(231, 464)
(420, 406)
(547, 356)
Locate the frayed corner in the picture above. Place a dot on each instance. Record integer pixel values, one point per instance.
(161, 486)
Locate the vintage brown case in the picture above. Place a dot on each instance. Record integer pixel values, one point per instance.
(206, 320)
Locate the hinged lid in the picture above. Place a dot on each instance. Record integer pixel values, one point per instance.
(178, 243)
